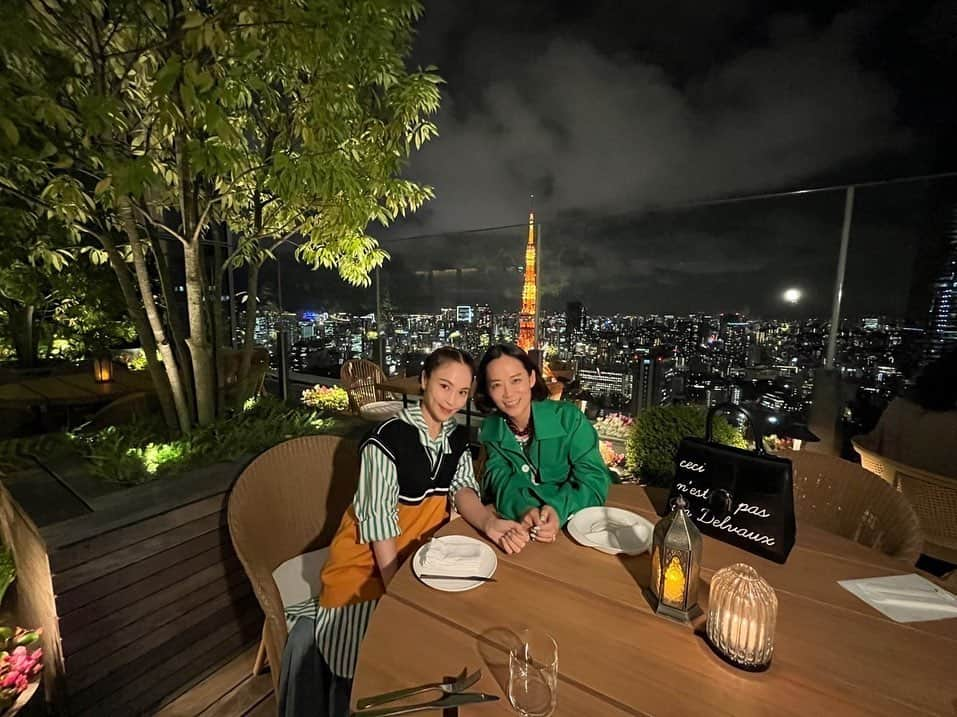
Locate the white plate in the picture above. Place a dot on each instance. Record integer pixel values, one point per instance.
(487, 565)
(611, 530)
(380, 410)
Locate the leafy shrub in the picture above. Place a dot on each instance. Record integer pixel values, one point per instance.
(651, 447)
(143, 450)
(333, 399)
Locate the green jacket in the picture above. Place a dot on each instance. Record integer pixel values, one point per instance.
(567, 471)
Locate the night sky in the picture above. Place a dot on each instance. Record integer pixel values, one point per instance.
(615, 114)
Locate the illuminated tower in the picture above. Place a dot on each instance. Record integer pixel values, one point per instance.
(528, 318)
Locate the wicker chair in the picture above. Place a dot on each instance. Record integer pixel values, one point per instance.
(359, 378)
(287, 502)
(842, 498)
(872, 460)
(934, 499)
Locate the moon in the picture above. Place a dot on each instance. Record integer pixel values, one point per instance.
(792, 296)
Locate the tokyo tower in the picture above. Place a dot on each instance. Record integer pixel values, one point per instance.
(528, 317)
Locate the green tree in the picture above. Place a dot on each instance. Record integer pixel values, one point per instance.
(152, 123)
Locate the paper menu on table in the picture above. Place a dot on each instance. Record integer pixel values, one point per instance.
(904, 598)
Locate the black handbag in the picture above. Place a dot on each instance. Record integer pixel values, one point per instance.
(744, 498)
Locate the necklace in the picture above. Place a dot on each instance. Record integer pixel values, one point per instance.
(521, 434)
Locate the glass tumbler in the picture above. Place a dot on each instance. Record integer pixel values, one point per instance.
(533, 674)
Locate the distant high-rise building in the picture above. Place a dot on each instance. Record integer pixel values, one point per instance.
(606, 381)
(574, 317)
(483, 316)
(942, 323)
(653, 383)
(464, 314)
(528, 319)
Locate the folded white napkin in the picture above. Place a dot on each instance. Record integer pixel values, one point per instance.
(904, 598)
(444, 558)
(627, 538)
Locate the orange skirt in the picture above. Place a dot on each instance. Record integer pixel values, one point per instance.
(351, 575)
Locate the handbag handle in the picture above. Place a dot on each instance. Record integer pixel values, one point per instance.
(735, 408)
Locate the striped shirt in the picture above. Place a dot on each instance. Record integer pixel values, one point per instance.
(339, 630)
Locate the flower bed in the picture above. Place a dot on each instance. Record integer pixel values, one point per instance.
(332, 399)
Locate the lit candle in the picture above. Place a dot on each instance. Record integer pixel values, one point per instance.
(742, 613)
(674, 591)
(742, 636)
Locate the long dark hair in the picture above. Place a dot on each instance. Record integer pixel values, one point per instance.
(483, 401)
(936, 387)
(447, 354)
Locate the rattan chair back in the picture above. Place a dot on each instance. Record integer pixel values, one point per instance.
(934, 498)
(359, 378)
(842, 498)
(289, 501)
(872, 460)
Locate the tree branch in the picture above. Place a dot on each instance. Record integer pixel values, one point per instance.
(159, 225)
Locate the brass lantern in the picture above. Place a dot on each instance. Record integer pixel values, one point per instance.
(676, 564)
(103, 368)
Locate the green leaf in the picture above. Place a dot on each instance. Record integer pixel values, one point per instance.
(102, 186)
(10, 130)
(193, 20)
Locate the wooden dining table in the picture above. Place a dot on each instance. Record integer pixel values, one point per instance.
(833, 654)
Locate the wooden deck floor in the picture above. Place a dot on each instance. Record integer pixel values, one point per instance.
(229, 691)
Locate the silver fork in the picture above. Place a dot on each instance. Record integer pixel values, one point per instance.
(462, 682)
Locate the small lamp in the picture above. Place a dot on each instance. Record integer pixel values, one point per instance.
(103, 368)
(742, 611)
(676, 564)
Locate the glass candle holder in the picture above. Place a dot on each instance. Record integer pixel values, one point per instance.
(742, 612)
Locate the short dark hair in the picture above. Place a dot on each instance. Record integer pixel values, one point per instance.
(936, 387)
(447, 354)
(483, 401)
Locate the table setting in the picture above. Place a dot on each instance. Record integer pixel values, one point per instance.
(623, 586)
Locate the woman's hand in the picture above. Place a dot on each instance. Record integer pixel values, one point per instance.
(544, 527)
(506, 534)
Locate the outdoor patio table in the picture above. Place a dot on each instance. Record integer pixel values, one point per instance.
(834, 655)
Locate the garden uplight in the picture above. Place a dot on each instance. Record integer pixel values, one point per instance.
(103, 368)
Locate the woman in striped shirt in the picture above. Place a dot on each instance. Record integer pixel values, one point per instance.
(411, 466)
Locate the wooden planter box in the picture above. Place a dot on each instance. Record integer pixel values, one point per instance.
(146, 594)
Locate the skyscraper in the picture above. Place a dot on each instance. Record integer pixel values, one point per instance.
(574, 318)
(528, 317)
(942, 323)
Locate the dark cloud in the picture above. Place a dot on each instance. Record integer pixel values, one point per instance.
(605, 113)
(585, 130)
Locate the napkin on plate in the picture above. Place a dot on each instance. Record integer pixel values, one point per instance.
(626, 538)
(904, 598)
(444, 558)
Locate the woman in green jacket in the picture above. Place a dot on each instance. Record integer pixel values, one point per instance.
(543, 460)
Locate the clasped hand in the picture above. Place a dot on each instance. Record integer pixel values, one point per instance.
(541, 524)
(538, 524)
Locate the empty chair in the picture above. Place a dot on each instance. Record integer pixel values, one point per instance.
(359, 378)
(842, 498)
(287, 502)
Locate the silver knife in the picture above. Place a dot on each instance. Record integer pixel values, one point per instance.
(479, 578)
(454, 700)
